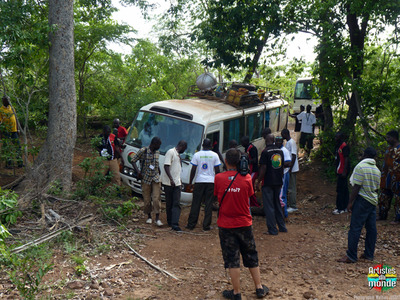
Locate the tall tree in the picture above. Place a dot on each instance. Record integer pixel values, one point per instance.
(54, 161)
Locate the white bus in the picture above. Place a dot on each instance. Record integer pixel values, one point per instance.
(193, 120)
(305, 93)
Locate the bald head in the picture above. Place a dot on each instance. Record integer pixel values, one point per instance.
(116, 123)
(269, 139)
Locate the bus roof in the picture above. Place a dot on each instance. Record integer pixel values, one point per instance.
(206, 111)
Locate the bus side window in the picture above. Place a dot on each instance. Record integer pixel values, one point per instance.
(233, 130)
(274, 119)
(255, 125)
(214, 138)
(267, 118)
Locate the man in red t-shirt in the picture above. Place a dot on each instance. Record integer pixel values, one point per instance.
(234, 222)
(120, 131)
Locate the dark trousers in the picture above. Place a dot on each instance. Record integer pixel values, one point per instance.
(342, 190)
(363, 213)
(201, 191)
(273, 209)
(172, 203)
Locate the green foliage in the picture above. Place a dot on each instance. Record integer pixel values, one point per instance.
(80, 264)
(95, 180)
(118, 211)
(55, 188)
(27, 270)
(9, 207)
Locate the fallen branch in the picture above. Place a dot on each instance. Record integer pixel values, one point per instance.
(13, 184)
(51, 235)
(149, 263)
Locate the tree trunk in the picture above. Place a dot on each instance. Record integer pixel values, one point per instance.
(255, 60)
(54, 161)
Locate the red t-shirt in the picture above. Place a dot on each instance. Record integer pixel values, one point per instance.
(235, 209)
(122, 133)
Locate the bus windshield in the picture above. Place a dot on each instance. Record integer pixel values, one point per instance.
(305, 90)
(170, 130)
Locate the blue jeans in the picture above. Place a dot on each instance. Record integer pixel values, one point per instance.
(284, 191)
(364, 213)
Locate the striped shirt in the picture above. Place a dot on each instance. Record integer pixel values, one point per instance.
(149, 161)
(367, 175)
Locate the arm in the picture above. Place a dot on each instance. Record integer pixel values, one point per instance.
(287, 164)
(292, 162)
(261, 174)
(167, 170)
(354, 192)
(192, 174)
(346, 154)
(216, 169)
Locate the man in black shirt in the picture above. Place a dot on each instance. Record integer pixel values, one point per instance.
(252, 156)
(271, 170)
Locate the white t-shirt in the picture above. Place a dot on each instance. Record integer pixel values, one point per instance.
(205, 161)
(292, 147)
(287, 156)
(307, 121)
(172, 160)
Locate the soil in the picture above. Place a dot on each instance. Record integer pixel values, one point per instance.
(300, 264)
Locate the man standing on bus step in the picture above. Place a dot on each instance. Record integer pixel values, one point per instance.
(206, 163)
(271, 170)
(235, 226)
(252, 155)
(149, 174)
(171, 180)
(307, 129)
(294, 168)
(342, 164)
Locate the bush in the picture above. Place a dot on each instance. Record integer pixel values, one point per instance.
(8, 207)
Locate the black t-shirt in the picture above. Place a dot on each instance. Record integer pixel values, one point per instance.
(272, 157)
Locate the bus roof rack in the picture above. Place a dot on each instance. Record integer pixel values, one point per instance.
(236, 94)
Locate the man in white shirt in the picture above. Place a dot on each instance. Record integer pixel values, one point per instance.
(171, 180)
(287, 158)
(206, 163)
(307, 129)
(294, 168)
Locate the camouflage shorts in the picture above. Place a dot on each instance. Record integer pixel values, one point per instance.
(236, 241)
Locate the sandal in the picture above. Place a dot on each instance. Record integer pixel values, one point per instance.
(261, 293)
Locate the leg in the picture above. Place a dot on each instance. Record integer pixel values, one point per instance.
(156, 197)
(278, 210)
(168, 190)
(195, 208)
(208, 201)
(370, 238)
(358, 218)
(176, 206)
(284, 191)
(146, 193)
(342, 189)
(114, 169)
(385, 201)
(234, 273)
(292, 190)
(269, 210)
(255, 274)
(397, 207)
